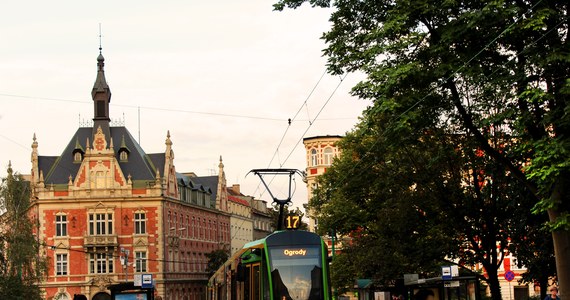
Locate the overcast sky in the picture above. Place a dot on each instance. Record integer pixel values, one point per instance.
(222, 76)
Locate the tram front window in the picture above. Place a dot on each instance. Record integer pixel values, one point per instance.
(296, 273)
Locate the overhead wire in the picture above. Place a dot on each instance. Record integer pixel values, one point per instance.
(294, 118)
(289, 121)
(311, 122)
(149, 108)
(111, 255)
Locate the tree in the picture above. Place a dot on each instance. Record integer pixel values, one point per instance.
(216, 259)
(21, 268)
(475, 68)
(415, 201)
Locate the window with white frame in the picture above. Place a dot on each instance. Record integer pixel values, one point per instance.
(328, 156)
(100, 263)
(314, 157)
(60, 264)
(100, 224)
(140, 261)
(61, 225)
(140, 223)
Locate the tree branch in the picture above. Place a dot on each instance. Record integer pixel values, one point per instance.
(484, 143)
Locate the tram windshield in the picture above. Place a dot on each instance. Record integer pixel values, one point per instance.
(296, 273)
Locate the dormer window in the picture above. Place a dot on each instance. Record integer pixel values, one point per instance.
(124, 156)
(124, 151)
(78, 152)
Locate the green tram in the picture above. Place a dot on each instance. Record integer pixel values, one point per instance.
(285, 265)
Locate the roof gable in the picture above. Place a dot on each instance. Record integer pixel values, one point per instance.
(139, 165)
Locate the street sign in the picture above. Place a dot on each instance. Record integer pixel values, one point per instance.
(453, 283)
(454, 271)
(509, 275)
(146, 281)
(446, 273)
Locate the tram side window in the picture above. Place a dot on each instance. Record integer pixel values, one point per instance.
(246, 283)
(255, 282)
(265, 282)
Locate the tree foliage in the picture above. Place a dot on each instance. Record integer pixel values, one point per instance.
(21, 267)
(216, 259)
(493, 73)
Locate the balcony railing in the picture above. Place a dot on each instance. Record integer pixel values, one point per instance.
(100, 241)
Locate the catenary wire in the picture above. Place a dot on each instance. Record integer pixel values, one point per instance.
(311, 123)
(287, 128)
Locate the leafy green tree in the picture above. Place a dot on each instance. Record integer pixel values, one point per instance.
(413, 204)
(474, 68)
(21, 268)
(216, 259)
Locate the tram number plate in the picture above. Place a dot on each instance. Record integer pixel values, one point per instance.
(292, 222)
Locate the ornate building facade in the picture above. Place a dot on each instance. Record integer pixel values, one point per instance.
(250, 218)
(320, 152)
(107, 212)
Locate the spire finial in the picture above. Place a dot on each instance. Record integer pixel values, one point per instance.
(100, 36)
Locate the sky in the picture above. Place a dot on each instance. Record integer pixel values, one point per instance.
(223, 77)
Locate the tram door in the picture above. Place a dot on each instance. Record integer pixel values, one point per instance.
(252, 284)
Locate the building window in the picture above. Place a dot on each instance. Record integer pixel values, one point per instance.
(328, 156)
(77, 157)
(100, 263)
(100, 224)
(61, 296)
(61, 225)
(314, 157)
(61, 264)
(209, 235)
(140, 261)
(169, 220)
(187, 226)
(140, 223)
(124, 156)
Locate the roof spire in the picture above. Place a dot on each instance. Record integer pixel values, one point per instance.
(101, 94)
(100, 47)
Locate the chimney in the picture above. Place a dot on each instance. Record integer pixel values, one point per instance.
(235, 188)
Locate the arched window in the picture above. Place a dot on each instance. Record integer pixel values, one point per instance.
(123, 156)
(328, 156)
(77, 157)
(314, 157)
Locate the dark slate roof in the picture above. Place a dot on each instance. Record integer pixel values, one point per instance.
(209, 181)
(188, 181)
(158, 159)
(140, 165)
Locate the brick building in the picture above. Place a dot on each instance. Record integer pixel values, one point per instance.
(106, 210)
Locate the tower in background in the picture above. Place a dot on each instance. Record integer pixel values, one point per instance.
(320, 152)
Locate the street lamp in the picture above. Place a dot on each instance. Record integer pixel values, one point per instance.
(125, 262)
